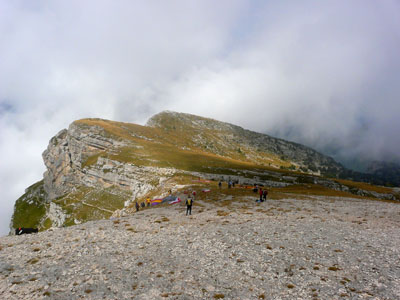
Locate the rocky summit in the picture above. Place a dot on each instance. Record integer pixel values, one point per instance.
(99, 168)
(308, 247)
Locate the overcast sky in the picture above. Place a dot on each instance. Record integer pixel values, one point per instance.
(324, 73)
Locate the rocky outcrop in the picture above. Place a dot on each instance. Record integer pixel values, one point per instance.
(67, 154)
(66, 159)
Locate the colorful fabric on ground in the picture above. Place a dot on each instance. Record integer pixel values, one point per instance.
(168, 198)
(155, 201)
(177, 200)
(206, 190)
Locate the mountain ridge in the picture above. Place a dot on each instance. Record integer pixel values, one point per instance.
(98, 168)
(267, 143)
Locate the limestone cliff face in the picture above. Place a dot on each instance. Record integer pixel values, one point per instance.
(67, 161)
(66, 155)
(78, 178)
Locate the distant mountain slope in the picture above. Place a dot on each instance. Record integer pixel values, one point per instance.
(96, 167)
(385, 172)
(235, 142)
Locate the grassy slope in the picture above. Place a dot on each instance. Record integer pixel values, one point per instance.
(173, 146)
(91, 204)
(30, 208)
(364, 186)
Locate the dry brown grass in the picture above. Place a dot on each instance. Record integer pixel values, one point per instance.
(222, 213)
(334, 268)
(33, 260)
(365, 186)
(315, 190)
(172, 154)
(290, 286)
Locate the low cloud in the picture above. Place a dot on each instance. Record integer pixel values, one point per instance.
(321, 73)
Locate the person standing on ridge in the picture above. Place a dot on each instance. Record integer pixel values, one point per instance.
(189, 203)
(148, 201)
(255, 189)
(219, 184)
(261, 195)
(265, 194)
(137, 206)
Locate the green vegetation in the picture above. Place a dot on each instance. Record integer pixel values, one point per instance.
(30, 208)
(92, 204)
(91, 160)
(163, 147)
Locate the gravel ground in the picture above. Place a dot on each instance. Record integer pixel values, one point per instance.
(319, 248)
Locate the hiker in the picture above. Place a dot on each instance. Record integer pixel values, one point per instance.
(189, 202)
(142, 204)
(255, 189)
(137, 206)
(148, 201)
(194, 195)
(261, 194)
(219, 184)
(229, 184)
(265, 194)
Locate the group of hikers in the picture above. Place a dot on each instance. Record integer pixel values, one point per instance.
(230, 184)
(263, 193)
(143, 204)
